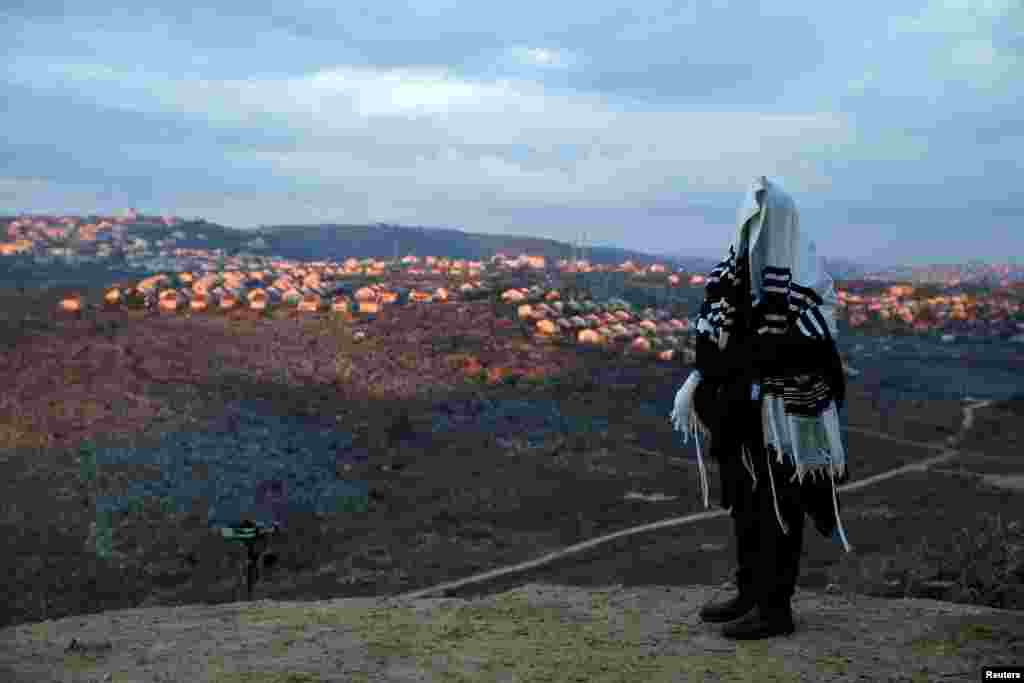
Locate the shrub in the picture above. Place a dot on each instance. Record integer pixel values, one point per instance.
(453, 360)
(135, 300)
(87, 470)
(104, 541)
(343, 367)
(986, 558)
(979, 562)
(408, 360)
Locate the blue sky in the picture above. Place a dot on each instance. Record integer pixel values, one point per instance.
(899, 133)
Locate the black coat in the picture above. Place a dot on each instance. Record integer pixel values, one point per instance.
(723, 402)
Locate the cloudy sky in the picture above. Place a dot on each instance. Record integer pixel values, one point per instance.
(900, 136)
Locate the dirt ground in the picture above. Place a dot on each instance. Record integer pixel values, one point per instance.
(604, 615)
(532, 633)
(467, 508)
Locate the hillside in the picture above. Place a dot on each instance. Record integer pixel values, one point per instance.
(470, 479)
(147, 246)
(312, 242)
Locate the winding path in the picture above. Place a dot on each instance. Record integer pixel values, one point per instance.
(948, 451)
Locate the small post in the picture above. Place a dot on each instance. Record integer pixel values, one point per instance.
(252, 575)
(249, 534)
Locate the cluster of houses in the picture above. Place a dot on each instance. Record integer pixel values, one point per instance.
(949, 315)
(993, 275)
(210, 279)
(588, 322)
(321, 288)
(308, 289)
(74, 238)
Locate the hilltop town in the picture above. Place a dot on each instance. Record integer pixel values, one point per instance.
(77, 240)
(197, 265)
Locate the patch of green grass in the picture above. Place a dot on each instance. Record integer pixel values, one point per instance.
(950, 645)
(833, 664)
(216, 673)
(477, 642)
(79, 663)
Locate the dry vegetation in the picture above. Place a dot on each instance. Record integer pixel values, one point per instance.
(459, 504)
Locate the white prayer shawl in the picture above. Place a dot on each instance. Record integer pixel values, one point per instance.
(813, 445)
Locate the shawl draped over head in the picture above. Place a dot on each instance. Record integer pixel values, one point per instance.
(768, 317)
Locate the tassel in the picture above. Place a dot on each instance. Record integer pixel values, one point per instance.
(775, 500)
(684, 418)
(682, 412)
(703, 472)
(697, 426)
(749, 464)
(798, 459)
(839, 522)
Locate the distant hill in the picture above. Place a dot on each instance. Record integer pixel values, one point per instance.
(692, 263)
(843, 269)
(312, 242)
(839, 269)
(301, 242)
(330, 242)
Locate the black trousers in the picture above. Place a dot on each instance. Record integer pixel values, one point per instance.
(769, 559)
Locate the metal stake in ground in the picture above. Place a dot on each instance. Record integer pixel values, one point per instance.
(249, 534)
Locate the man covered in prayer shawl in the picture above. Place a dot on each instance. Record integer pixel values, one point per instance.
(766, 393)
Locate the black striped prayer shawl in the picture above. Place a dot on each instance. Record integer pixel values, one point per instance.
(784, 307)
(799, 408)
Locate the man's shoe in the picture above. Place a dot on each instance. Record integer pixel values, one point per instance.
(727, 611)
(761, 623)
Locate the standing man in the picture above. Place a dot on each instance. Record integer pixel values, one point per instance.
(766, 393)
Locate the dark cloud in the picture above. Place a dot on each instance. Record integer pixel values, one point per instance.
(671, 82)
(924, 149)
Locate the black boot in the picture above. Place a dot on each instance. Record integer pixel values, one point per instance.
(766, 621)
(746, 530)
(722, 612)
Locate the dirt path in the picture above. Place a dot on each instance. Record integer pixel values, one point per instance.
(903, 442)
(533, 633)
(947, 455)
